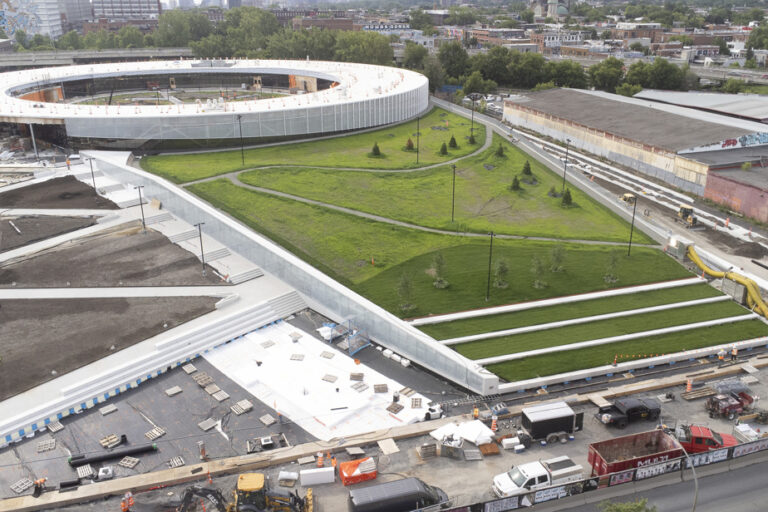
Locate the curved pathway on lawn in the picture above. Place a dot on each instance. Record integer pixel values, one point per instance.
(490, 129)
(236, 181)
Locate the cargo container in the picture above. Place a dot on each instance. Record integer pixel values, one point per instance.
(551, 421)
(632, 451)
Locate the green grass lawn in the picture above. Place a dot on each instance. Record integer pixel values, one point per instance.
(343, 246)
(568, 311)
(551, 364)
(343, 151)
(756, 89)
(598, 330)
(483, 201)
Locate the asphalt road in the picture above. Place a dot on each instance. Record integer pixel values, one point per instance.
(741, 490)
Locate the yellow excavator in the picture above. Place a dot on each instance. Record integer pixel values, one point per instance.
(253, 494)
(686, 216)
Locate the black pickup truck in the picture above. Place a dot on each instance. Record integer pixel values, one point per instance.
(627, 410)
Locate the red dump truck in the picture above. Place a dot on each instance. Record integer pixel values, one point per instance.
(632, 451)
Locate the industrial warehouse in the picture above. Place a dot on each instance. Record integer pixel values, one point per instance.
(693, 150)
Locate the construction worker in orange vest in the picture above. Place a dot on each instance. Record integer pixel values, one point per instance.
(734, 352)
(127, 502)
(721, 354)
(475, 412)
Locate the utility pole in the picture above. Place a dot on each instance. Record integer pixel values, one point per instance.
(565, 165)
(632, 227)
(242, 151)
(93, 178)
(490, 258)
(141, 205)
(418, 133)
(453, 194)
(199, 227)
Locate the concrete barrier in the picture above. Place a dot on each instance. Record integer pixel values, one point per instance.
(383, 327)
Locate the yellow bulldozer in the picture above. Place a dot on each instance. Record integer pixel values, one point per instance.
(686, 216)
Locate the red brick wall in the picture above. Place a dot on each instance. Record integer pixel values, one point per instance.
(746, 199)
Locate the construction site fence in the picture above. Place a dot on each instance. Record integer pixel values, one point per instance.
(596, 483)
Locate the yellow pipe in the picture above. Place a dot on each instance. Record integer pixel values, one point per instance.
(754, 299)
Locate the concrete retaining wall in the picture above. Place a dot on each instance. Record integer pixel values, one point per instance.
(383, 327)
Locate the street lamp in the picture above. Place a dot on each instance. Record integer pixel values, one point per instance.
(695, 480)
(453, 194)
(632, 226)
(93, 178)
(199, 227)
(418, 133)
(490, 257)
(242, 151)
(565, 165)
(141, 205)
(473, 96)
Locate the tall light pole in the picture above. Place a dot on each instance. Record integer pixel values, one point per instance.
(565, 165)
(490, 258)
(93, 178)
(632, 226)
(199, 227)
(141, 205)
(453, 194)
(695, 480)
(242, 151)
(418, 133)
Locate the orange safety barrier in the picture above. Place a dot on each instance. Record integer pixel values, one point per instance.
(356, 471)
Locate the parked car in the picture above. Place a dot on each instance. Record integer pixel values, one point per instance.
(696, 439)
(626, 410)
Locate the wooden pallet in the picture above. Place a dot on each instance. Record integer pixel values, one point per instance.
(698, 393)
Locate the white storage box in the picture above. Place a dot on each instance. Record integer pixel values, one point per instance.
(317, 476)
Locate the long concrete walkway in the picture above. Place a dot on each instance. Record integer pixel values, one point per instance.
(522, 306)
(613, 339)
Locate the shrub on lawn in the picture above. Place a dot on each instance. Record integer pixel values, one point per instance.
(500, 151)
(527, 168)
(611, 275)
(452, 143)
(375, 151)
(471, 139)
(409, 145)
(557, 256)
(567, 200)
(438, 268)
(552, 192)
(500, 275)
(405, 293)
(443, 149)
(537, 269)
(515, 184)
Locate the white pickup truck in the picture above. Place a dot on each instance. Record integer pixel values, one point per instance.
(536, 475)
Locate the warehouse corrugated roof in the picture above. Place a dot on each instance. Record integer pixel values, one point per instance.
(748, 106)
(656, 124)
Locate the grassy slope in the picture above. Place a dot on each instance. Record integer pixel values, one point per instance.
(483, 201)
(342, 246)
(467, 273)
(551, 364)
(597, 330)
(568, 311)
(344, 151)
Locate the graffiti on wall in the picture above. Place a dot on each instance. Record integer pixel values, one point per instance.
(745, 141)
(18, 15)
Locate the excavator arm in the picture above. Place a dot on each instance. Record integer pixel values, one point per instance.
(212, 496)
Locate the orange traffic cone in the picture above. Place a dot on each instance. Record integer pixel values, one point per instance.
(689, 386)
(494, 426)
(615, 359)
(210, 480)
(320, 460)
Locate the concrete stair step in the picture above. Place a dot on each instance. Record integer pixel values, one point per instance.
(184, 235)
(246, 276)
